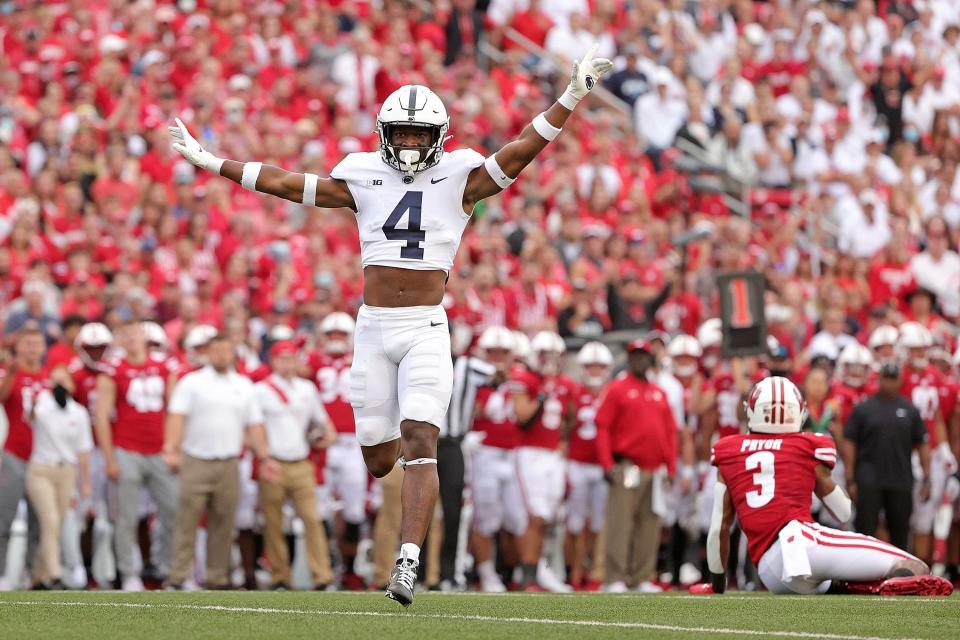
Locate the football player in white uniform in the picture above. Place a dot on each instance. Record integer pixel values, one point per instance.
(412, 203)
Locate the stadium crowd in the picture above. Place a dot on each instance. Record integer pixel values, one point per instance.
(814, 142)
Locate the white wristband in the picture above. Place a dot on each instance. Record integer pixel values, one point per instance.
(493, 168)
(214, 164)
(568, 100)
(310, 189)
(546, 130)
(251, 171)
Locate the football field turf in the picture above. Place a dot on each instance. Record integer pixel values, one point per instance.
(357, 616)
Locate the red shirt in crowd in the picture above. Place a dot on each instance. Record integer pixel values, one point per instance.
(332, 377)
(635, 420)
(583, 438)
(889, 281)
(559, 391)
(17, 406)
(141, 399)
(766, 500)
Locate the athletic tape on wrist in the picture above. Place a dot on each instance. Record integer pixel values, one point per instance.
(251, 171)
(408, 463)
(568, 100)
(493, 168)
(215, 164)
(310, 189)
(546, 130)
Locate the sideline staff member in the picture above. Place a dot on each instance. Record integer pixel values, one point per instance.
(213, 411)
(879, 437)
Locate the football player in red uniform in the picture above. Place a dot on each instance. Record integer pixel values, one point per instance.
(544, 404)
(132, 393)
(854, 381)
(766, 478)
(21, 379)
(922, 385)
(587, 499)
(345, 472)
(497, 503)
(883, 343)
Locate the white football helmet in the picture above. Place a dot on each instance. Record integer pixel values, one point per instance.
(853, 364)
(496, 338)
(412, 105)
(156, 336)
(914, 337)
(92, 336)
(595, 353)
(547, 349)
(521, 346)
(688, 349)
(710, 333)
(883, 336)
(338, 322)
(775, 406)
(198, 337)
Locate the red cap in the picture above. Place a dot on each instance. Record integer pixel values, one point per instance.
(640, 344)
(284, 348)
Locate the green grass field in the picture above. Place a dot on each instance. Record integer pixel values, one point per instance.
(356, 616)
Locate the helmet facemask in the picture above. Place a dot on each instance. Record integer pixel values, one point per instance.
(406, 158)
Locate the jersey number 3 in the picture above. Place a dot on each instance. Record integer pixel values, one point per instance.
(762, 461)
(411, 201)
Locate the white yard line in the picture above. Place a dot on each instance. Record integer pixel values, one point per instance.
(682, 596)
(434, 616)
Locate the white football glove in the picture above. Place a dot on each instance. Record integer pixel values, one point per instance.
(187, 146)
(586, 74)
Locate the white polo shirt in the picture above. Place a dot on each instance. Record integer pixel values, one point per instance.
(218, 408)
(289, 406)
(59, 435)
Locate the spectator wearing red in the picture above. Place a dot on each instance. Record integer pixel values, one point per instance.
(636, 439)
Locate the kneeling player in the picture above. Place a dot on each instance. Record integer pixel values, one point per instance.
(766, 477)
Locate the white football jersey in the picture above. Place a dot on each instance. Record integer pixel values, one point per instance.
(411, 226)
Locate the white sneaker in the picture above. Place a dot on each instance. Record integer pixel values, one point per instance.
(492, 584)
(649, 587)
(132, 584)
(689, 574)
(190, 585)
(549, 580)
(615, 587)
(78, 578)
(5, 585)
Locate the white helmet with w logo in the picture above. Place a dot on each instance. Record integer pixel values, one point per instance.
(775, 406)
(417, 106)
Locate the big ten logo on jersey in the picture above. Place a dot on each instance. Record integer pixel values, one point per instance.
(146, 393)
(586, 422)
(334, 385)
(926, 398)
(499, 407)
(374, 182)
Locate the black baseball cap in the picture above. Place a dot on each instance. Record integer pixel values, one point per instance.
(890, 370)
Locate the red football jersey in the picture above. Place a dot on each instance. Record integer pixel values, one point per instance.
(84, 383)
(496, 418)
(18, 404)
(847, 397)
(141, 401)
(770, 478)
(332, 377)
(922, 388)
(949, 392)
(583, 439)
(545, 432)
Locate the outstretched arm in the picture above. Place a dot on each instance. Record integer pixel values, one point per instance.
(304, 188)
(505, 165)
(718, 537)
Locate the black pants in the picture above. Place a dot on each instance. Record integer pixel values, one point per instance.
(897, 504)
(450, 469)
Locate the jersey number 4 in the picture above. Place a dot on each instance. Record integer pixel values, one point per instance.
(412, 201)
(762, 461)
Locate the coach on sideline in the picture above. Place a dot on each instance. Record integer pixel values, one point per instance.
(879, 438)
(636, 436)
(212, 412)
(293, 416)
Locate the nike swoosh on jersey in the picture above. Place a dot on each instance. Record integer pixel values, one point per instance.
(436, 324)
(436, 180)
